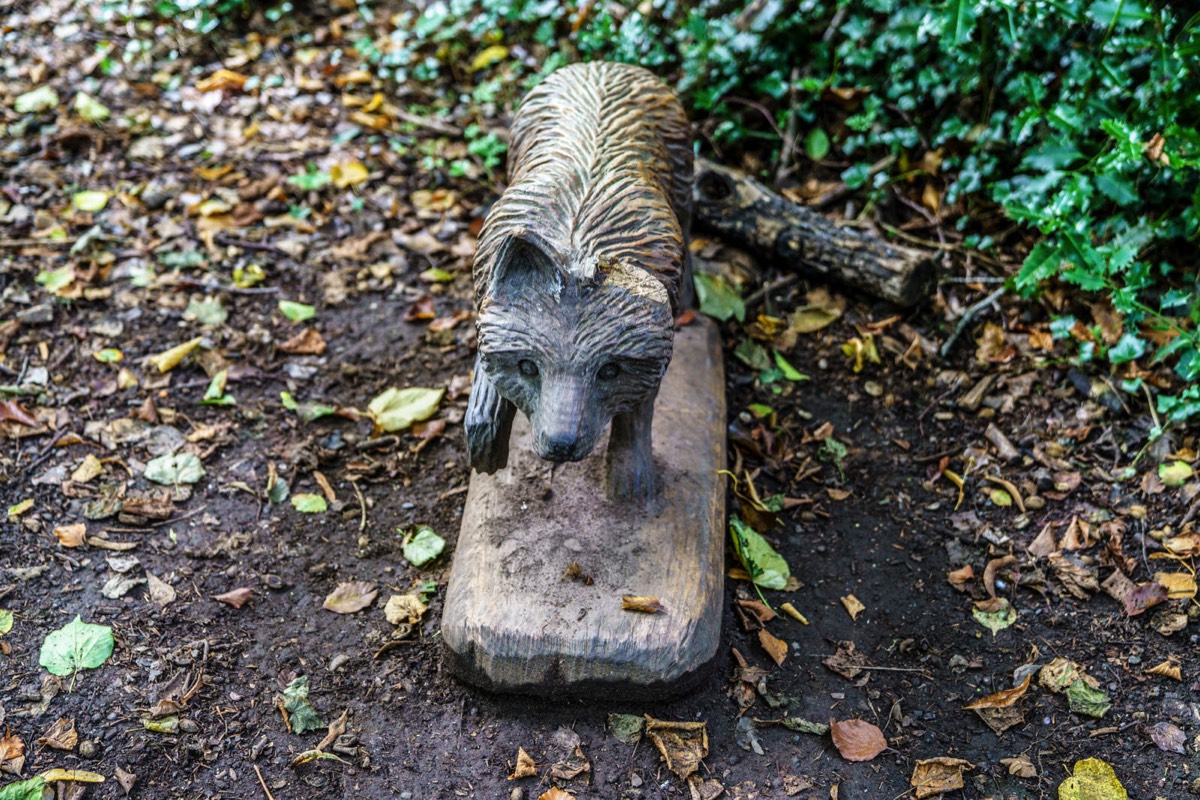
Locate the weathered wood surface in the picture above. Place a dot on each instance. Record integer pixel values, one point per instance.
(515, 622)
(790, 236)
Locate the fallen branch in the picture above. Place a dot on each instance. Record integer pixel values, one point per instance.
(791, 236)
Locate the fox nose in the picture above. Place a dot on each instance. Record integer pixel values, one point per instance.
(560, 446)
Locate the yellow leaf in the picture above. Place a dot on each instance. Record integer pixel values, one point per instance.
(89, 468)
(169, 359)
(1093, 779)
(348, 174)
(854, 606)
(1179, 585)
(489, 56)
(76, 775)
(90, 200)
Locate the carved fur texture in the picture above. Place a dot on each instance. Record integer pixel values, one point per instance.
(579, 269)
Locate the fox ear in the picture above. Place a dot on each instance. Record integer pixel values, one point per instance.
(525, 262)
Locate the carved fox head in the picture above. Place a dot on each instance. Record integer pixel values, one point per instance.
(570, 343)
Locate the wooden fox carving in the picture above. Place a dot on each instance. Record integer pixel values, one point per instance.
(580, 270)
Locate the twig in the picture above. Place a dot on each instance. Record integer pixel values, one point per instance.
(969, 315)
(213, 286)
(249, 244)
(263, 783)
(437, 126)
(782, 283)
(7, 243)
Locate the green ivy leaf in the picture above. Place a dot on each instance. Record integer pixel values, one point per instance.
(296, 312)
(302, 717)
(1083, 699)
(174, 468)
(816, 144)
(397, 409)
(24, 790)
(1128, 348)
(309, 503)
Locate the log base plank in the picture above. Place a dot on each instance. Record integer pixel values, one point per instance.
(520, 618)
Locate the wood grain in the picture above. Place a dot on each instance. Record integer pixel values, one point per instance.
(791, 236)
(515, 621)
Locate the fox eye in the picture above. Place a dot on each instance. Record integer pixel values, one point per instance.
(608, 372)
(528, 368)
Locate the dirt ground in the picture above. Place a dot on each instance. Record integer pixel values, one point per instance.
(882, 521)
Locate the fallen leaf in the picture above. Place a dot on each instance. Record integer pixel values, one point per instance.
(43, 98)
(75, 646)
(1083, 698)
(791, 611)
(766, 567)
(933, 776)
(1144, 596)
(1020, 766)
(71, 776)
(961, 578)
(307, 342)
(422, 546)
(1092, 779)
(853, 606)
(993, 567)
(71, 535)
(404, 609)
(1043, 544)
(846, 661)
(162, 593)
(682, 745)
(397, 409)
(644, 605)
(235, 597)
(350, 596)
(174, 469)
(1175, 474)
(1077, 579)
(1179, 585)
(526, 768)
(1168, 737)
(626, 728)
(61, 736)
(1003, 698)
(492, 54)
(169, 359)
(995, 614)
(297, 312)
(12, 754)
(350, 173)
(307, 503)
(776, 648)
(301, 716)
(222, 79)
(12, 411)
(554, 793)
(856, 739)
(1167, 669)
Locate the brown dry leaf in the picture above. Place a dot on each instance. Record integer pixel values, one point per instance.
(350, 596)
(1144, 596)
(645, 605)
(961, 578)
(572, 766)
(857, 739)
(12, 411)
(235, 597)
(1185, 545)
(1167, 669)
(71, 535)
(526, 768)
(61, 736)
(422, 308)
(846, 661)
(307, 342)
(853, 606)
(12, 754)
(1168, 737)
(1001, 719)
(162, 594)
(682, 745)
(1020, 766)
(994, 566)
(757, 609)
(776, 648)
(1179, 585)
(991, 343)
(222, 79)
(1043, 543)
(837, 494)
(1075, 578)
(1003, 698)
(939, 775)
(1079, 535)
(554, 793)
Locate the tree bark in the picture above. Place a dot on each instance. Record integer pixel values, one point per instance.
(741, 209)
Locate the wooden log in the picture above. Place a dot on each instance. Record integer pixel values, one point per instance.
(520, 618)
(789, 236)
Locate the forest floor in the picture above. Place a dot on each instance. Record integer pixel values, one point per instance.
(219, 198)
